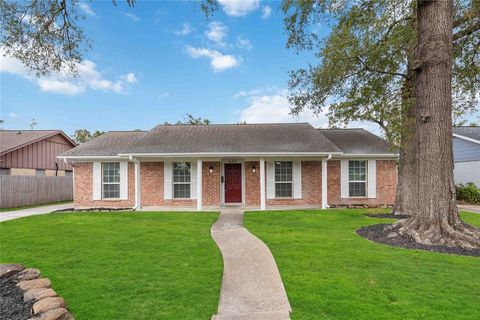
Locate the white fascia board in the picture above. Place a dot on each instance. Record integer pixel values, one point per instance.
(466, 138)
(366, 156)
(92, 158)
(230, 154)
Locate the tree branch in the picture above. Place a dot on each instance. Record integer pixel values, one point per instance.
(397, 74)
(467, 31)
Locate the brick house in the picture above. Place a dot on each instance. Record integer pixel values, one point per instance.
(253, 165)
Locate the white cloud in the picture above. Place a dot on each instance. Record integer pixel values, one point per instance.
(89, 77)
(13, 115)
(244, 43)
(217, 32)
(238, 8)
(132, 16)
(218, 61)
(59, 86)
(86, 9)
(266, 12)
(272, 90)
(276, 109)
(130, 78)
(185, 31)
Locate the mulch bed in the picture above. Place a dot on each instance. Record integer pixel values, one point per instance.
(387, 215)
(378, 234)
(12, 306)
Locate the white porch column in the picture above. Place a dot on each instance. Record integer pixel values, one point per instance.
(138, 190)
(325, 183)
(263, 204)
(199, 185)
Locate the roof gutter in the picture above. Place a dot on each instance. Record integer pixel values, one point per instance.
(466, 138)
(227, 154)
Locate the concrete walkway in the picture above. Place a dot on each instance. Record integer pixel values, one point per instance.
(15, 214)
(251, 286)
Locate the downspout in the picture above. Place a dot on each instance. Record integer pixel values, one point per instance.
(325, 182)
(137, 205)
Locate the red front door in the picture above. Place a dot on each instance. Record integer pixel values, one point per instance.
(233, 183)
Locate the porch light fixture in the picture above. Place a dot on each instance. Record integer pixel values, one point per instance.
(211, 169)
(254, 169)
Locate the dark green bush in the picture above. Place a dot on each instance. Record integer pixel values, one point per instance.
(468, 193)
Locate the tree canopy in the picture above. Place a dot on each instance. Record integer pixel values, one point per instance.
(44, 35)
(363, 63)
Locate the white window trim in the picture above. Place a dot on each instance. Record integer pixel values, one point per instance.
(174, 183)
(277, 182)
(364, 181)
(110, 183)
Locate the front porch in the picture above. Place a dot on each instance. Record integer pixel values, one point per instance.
(212, 184)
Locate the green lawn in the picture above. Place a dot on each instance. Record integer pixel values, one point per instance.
(122, 265)
(331, 272)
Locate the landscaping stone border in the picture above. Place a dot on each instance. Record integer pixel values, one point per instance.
(38, 295)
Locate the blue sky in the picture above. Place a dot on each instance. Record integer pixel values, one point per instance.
(160, 60)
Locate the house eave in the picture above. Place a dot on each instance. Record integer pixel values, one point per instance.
(228, 154)
(466, 138)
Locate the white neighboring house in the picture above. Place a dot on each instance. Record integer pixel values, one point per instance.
(466, 153)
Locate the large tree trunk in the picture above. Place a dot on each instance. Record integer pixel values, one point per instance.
(407, 178)
(435, 220)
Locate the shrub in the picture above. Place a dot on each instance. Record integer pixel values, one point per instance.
(468, 193)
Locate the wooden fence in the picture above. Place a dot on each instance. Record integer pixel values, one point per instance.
(16, 191)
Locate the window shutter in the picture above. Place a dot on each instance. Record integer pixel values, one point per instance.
(297, 179)
(270, 180)
(372, 179)
(123, 180)
(193, 180)
(97, 181)
(167, 180)
(344, 186)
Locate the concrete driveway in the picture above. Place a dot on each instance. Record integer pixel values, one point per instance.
(469, 208)
(15, 214)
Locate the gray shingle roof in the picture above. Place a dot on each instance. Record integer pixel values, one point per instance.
(227, 138)
(357, 141)
(469, 132)
(13, 139)
(296, 137)
(108, 144)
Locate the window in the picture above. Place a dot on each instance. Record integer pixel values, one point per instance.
(111, 180)
(68, 173)
(181, 180)
(40, 172)
(283, 179)
(357, 178)
(4, 171)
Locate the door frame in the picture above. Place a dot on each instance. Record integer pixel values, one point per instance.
(222, 184)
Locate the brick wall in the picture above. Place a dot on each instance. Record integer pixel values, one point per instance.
(152, 181)
(311, 187)
(83, 194)
(386, 185)
(152, 186)
(211, 184)
(252, 184)
(151, 174)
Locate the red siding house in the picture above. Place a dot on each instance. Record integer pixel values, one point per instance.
(34, 152)
(248, 165)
